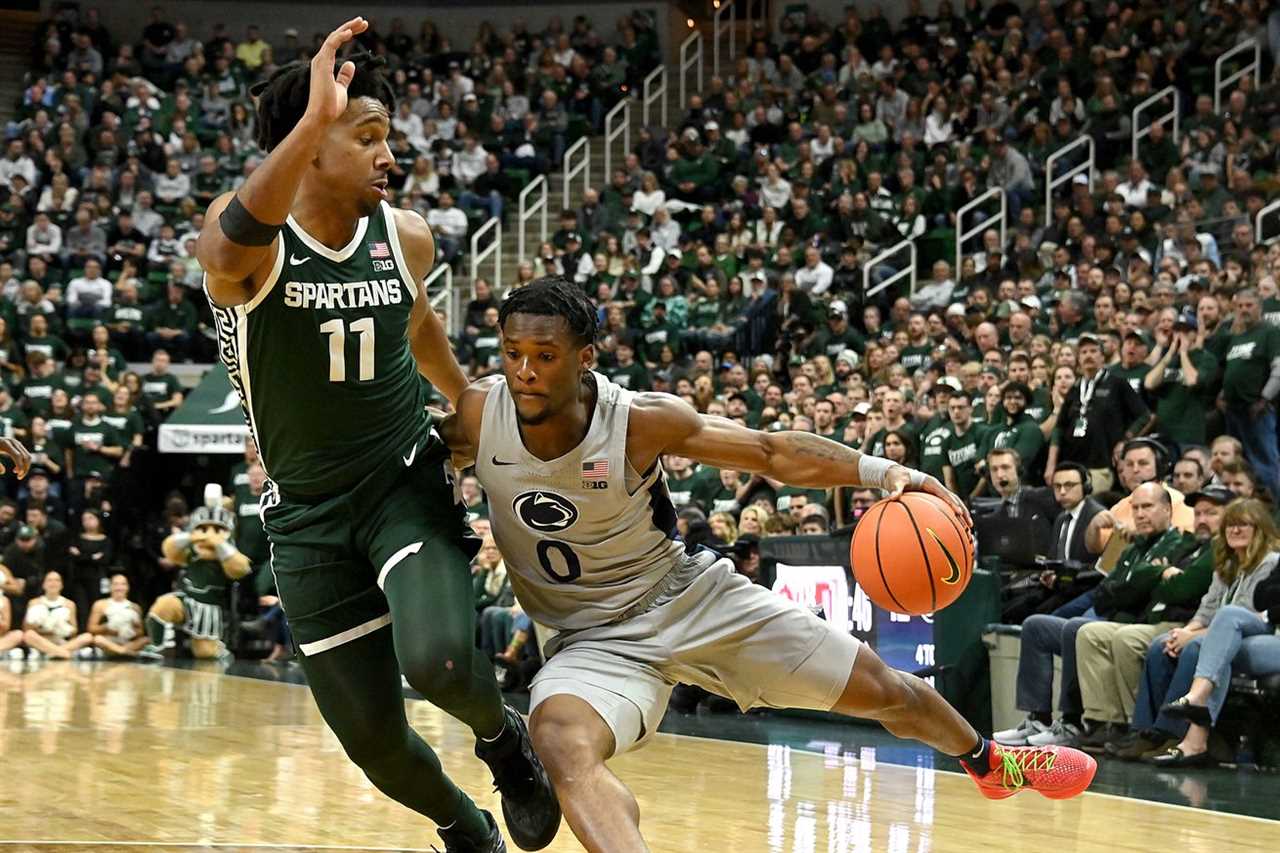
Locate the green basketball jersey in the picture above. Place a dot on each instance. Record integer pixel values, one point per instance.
(321, 359)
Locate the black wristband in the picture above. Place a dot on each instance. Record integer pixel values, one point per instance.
(243, 228)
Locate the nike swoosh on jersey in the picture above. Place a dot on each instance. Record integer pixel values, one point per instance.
(295, 260)
(413, 454)
(496, 462)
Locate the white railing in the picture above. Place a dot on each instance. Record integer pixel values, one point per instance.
(655, 89)
(444, 297)
(868, 290)
(719, 27)
(1254, 67)
(528, 211)
(493, 250)
(613, 128)
(962, 234)
(1141, 130)
(583, 168)
(1258, 235)
(1052, 181)
(690, 58)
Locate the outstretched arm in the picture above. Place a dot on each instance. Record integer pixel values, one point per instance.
(233, 265)
(661, 423)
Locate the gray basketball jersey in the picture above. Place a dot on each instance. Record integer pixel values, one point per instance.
(579, 547)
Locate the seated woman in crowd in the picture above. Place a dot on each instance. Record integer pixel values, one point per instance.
(115, 622)
(1188, 670)
(50, 626)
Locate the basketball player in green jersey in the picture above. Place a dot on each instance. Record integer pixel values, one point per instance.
(324, 328)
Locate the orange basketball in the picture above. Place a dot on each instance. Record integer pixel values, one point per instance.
(911, 554)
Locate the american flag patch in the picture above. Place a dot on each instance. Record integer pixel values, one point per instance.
(598, 470)
(379, 250)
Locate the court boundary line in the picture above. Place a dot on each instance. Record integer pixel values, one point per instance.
(765, 746)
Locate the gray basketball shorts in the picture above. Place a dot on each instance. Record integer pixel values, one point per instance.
(722, 633)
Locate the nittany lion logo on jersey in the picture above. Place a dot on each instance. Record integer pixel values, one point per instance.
(545, 512)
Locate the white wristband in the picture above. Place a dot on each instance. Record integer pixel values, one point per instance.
(181, 541)
(871, 470)
(225, 551)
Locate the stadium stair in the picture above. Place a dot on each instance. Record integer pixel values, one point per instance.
(17, 35)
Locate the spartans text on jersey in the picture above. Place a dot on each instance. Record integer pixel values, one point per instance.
(349, 294)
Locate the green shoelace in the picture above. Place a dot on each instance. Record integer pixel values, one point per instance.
(1013, 763)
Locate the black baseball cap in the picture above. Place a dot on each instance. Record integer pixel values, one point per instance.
(1088, 338)
(1220, 495)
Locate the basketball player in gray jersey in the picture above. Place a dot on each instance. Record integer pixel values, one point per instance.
(580, 511)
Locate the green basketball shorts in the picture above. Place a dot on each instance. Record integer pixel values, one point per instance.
(331, 556)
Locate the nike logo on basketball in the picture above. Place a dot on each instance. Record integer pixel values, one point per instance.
(295, 260)
(953, 577)
(408, 460)
(496, 462)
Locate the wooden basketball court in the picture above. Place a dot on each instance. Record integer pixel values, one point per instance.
(116, 757)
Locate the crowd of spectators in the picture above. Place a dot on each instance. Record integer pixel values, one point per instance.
(1132, 339)
(727, 255)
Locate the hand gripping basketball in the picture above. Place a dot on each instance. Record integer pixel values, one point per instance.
(911, 553)
(899, 479)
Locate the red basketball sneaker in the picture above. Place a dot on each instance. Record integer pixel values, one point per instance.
(1057, 772)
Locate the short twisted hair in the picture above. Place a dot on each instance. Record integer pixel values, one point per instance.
(282, 97)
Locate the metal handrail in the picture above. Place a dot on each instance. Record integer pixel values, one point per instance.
(528, 211)
(583, 168)
(962, 235)
(655, 89)
(1254, 67)
(690, 57)
(1173, 115)
(612, 132)
(1257, 232)
(1051, 181)
(494, 249)
(445, 296)
(910, 270)
(718, 30)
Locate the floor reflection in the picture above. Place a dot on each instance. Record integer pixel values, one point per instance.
(211, 759)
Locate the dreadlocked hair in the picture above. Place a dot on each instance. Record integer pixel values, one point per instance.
(282, 97)
(554, 296)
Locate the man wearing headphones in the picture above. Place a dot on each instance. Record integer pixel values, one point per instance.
(1049, 590)
(1073, 490)
(1145, 461)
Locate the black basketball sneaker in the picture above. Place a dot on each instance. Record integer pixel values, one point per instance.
(529, 803)
(455, 842)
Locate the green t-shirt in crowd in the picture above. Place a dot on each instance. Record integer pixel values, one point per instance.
(1133, 375)
(634, 376)
(1248, 364)
(1181, 408)
(82, 436)
(963, 452)
(915, 358)
(933, 438)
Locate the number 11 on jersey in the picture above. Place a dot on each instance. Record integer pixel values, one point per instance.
(337, 333)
